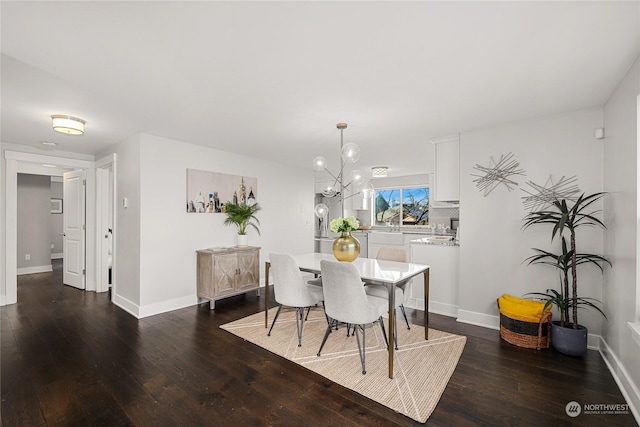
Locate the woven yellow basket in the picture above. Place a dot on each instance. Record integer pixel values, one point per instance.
(526, 334)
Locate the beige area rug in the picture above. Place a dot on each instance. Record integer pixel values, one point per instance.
(421, 368)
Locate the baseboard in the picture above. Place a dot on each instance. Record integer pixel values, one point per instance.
(434, 307)
(164, 306)
(593, 341)
(479, 319)
(128, 306)
(635, 331)
(36, 269)
(625, 383)
(57, 255)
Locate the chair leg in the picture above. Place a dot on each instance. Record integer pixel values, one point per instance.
(361, 350)
(308, 310)
(299, 323)
(325, 312)
(274, 320)
(326, 335)
(405, 316)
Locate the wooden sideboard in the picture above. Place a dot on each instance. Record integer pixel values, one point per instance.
(225, 272)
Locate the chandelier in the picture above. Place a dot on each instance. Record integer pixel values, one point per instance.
(349, 153)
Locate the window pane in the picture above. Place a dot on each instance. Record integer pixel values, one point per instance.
(387, 206)
(415, 206)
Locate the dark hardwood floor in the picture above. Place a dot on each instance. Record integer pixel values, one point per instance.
(71, 358)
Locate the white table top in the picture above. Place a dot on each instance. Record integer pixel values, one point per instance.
(371, 270)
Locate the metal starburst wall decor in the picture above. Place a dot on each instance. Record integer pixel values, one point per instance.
(497, 173)
(543, 196)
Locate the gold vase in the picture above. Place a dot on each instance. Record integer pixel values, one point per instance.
(346, 247)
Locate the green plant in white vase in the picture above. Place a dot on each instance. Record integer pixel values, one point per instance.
(243, 216)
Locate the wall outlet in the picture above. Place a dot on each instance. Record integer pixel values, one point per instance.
(27, 257)
(53, 246)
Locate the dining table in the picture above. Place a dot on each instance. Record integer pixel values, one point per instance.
(372, 271)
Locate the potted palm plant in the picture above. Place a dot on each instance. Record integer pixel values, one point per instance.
(567, 335)
(243, 216)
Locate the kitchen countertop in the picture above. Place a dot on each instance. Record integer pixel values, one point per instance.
(430, 241)
(402, 231)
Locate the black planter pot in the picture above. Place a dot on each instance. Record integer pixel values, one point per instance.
(569, 341)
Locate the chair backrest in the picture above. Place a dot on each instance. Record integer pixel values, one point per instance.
(344, 296)
(390, 253)
(289, 287)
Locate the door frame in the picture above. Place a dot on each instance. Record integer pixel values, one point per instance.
(21, 162)
(105, 181)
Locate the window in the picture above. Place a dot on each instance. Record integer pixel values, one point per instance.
(402, 206)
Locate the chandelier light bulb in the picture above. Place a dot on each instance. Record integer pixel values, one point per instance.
(321, 210)
(329, 191)
(356, 176)
(367, 188)
(350, 153)
(319, 163)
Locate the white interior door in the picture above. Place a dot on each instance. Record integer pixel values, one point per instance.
(74, 229)
(104, 209)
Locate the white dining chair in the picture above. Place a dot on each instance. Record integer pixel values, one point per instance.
(390, 253)
(345, 301)
(291, 290)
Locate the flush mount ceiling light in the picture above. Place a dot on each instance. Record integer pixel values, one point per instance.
(68, 124)
(379, 171)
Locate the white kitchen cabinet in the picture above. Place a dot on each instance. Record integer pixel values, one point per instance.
(444, 277)
(324, 245)
(446, 185)
(363, 239)
(379, 239)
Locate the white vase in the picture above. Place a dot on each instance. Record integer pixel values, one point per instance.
(243, 240)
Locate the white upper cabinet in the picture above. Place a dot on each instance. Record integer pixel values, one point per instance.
(446, 187)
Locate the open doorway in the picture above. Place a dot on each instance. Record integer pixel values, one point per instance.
(50, 217)
(39, 223)
(21, 162)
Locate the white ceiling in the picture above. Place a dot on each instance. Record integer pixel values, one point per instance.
(272, 79)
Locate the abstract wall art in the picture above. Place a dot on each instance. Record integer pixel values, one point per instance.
(498, 173)
(542, 196)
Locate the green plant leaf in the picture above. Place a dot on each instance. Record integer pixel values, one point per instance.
(567, 215)
(243, 216)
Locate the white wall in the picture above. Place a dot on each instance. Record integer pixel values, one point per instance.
(126, 284)
(169, 236)
(494, 247)
(34, 223)
(621, 240)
